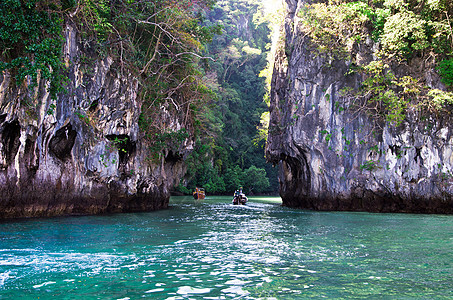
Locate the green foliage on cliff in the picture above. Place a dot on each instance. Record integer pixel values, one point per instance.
(31, 41)
(446, 71)
(165, 142)
(159, 42)
(405, 33)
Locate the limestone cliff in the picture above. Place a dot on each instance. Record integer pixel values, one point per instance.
(332, 158)
(84, 153)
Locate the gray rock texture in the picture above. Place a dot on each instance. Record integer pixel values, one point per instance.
(331, 158)
(61, 157)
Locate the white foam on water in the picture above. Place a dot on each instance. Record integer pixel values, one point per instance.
(235, 290)
(252, 275)
(195, 273)
(271, 260)
(309, 271)
(185, 290)
(154, 291)
(43, 284)
(182, 241)
(134, 266)
(236, 282)
(19, 250)
(93, 263)
(3, 277)
(208, 260)
(151, 274)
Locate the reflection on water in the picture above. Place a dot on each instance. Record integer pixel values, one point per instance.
(211, 249)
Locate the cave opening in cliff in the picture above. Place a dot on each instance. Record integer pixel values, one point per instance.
(61, 143)
(10, 139)
(126, 147)
(296, 185)
(3, 117)
(173, 156)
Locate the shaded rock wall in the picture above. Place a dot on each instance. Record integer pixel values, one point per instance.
(331, 158)
(62, 158)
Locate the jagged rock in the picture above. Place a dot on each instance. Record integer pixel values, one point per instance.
(335, 159)
(59, 158)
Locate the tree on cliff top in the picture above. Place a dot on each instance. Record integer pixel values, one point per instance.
(404, 31)
(160, 42)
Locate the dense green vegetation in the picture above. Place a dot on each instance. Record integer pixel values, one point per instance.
(31, 41)
(414, 36)
(233, 155)
(214, 87)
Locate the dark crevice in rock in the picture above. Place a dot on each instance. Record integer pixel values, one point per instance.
(126, 147)
(10, 140)
(173, 157)
(418, 155)
(61, 143)
(93, 106)
(3, 118)
(396, 150)
(30, 157)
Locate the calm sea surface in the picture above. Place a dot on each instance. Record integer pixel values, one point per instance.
(210, 249)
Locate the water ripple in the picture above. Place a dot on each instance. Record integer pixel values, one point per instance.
(214, 250)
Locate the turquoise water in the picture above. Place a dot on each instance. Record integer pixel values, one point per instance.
(210, 249)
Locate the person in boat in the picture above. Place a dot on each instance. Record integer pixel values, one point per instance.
(242, 197)
(239, 197)
(235, 197)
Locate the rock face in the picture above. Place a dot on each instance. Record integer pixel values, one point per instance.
(331, 158)
(84, 153)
